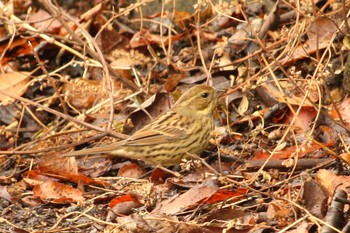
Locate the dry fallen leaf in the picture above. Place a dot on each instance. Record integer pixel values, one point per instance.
(43, 21)
(125, 60)
(14, 83)
(82, 93)
(144, 38)
(330, 181)
(122, 205)
(345, 157)
(344, 111)
(278, 209)
(187, 200)
(131, 170)
(54, 192)
(58, 165)
(320, 34)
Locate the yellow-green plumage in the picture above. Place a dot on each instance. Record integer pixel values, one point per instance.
(183, 130)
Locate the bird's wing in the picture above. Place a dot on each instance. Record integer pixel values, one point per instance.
(157, 135)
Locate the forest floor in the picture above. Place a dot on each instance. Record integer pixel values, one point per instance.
(80, 74)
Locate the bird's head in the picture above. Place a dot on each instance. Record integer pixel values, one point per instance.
(201, 98)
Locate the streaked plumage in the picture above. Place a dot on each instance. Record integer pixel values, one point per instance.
(183, 129)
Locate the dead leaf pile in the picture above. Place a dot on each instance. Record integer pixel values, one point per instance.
(78, 74)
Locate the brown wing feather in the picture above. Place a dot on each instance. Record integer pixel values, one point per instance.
(151, 136)
(158, 132)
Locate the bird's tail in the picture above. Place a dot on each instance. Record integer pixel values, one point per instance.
(106, 149)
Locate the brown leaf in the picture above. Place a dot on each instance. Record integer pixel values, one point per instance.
(81, 179)
(185, 201)
(315, 198)
(31, 201)
(125, 60)
(183, 19)
(32, 177)
(4, 193)
(145, 38)
(344, 111)
(173, 80)
(303, 120)
(14, 83)
(61, 168)
(44, 22)
(159, 175)
(94, 166)
(54, 192)
(286, 153)
(123, 205)
(330, 181)
(131, 170)
(319, 35)
(345, 157)
(278, 209)
(153, 223)
(155, 106)
(58, 165)
(19, 47)
(82, 93)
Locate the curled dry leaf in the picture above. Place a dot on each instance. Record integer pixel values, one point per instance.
(82, 93)
(243, 105)
(131, 170)
(123, 205)
(125, 60)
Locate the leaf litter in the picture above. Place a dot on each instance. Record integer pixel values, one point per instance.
(77, 75)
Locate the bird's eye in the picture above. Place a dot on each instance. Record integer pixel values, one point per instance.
(205, 94)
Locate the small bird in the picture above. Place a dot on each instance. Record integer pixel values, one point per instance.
(183, 130)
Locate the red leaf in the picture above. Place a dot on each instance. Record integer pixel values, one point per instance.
(121, 199)
(224, 194)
